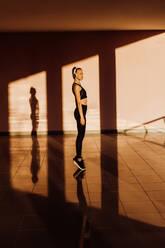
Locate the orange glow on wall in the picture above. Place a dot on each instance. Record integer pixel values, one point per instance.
(140, 84)
(28, 104)
(90, 82)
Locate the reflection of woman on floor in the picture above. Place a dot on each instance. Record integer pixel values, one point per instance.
(79, 114)
(35, 163)
(86, 227)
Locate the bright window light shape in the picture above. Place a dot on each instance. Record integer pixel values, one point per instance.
(140, 83)
(28, 104)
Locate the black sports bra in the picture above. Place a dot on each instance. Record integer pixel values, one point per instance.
(83, 93)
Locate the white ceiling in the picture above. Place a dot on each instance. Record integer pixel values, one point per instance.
(72, 15)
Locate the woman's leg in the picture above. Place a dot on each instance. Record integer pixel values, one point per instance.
(79, 139)
(81, 131)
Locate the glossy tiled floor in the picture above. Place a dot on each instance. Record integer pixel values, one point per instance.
(119, 201)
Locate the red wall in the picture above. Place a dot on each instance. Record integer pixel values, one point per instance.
(24, 54)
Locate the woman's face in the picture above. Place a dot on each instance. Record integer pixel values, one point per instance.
(79, 74)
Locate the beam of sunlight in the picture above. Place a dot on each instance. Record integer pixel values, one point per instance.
(140, 84)
(140, 104)
(90, 82)
(28, 104)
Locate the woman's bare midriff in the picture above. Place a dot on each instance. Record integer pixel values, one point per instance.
(84, 101)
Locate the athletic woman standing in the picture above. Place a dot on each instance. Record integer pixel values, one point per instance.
(79, 114)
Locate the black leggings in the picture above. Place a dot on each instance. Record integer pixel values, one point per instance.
(81, 129)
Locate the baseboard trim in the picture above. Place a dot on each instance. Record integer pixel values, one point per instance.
(58, 132)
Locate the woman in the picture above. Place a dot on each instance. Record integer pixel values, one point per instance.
(79, 114)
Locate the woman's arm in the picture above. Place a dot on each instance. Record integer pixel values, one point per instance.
(77, 94)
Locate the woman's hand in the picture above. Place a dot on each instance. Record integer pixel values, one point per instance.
(82, 121)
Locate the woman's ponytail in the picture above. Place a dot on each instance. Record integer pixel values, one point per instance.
(74, 72)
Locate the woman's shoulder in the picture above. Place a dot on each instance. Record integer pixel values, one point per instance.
(76, 85)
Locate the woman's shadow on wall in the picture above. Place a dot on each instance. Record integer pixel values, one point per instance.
(34, 105)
